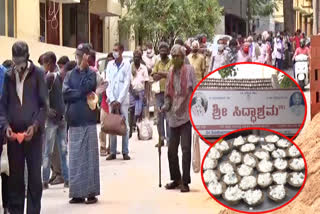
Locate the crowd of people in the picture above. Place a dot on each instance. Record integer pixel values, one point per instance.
(278, 50)
(49, 114)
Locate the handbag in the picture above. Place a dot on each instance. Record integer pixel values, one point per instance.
(114, 124)
(196, 159)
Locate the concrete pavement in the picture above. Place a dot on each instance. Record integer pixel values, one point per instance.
(132, 187)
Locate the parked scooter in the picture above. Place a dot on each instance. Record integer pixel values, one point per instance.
(302, 70)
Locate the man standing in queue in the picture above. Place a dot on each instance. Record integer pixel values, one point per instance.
(179, 87)
(84, 176)
(23, 109)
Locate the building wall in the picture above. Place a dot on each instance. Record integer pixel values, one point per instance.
(28, 22)
(235, 7)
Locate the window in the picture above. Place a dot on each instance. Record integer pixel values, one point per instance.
(75, 23)
(7, 16)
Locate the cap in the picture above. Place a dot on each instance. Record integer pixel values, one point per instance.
(83, 48)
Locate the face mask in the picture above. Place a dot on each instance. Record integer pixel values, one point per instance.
(177, 62)
(220, 47)
(278, 39)
(246, 49)
(21, 67)
(115, 54)
(136, 61)
(233, 49)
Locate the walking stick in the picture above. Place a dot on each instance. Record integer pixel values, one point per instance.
(159, 152)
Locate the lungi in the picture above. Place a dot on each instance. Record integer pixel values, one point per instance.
(84, 176)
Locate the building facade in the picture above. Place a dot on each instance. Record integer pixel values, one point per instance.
(304, 15)
(234, 19)
(64, 22)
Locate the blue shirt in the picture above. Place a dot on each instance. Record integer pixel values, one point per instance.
(3, 70)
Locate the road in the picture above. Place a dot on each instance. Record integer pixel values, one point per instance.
(132, 187)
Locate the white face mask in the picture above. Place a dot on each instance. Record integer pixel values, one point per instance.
(115, 54)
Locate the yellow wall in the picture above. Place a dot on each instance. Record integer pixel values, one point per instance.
(36, 49)
(278, 14)
(27, 19)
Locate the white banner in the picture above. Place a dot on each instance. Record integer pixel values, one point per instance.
(217, 112)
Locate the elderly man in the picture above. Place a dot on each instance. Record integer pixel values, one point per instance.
(179, 86)
(159, 76)
(78, 85)
(198, 61)
(119, 76)
(23, 109)
(139, 79)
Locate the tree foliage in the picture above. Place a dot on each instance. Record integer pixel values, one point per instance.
(156, 20)
(229, 71)
(260, 8)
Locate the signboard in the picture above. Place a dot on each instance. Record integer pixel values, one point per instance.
(217, 112)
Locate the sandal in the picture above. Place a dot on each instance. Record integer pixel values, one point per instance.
(92, 200)
(173, 185)
(77, 201)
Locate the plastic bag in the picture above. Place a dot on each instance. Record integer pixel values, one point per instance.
(196, 159)
(144, 129)
(4, 160)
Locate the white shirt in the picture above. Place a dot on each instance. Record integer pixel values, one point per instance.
(119, 81)
(142, 76)
(20, 84)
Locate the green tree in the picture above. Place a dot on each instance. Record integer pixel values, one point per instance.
(156, 20)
